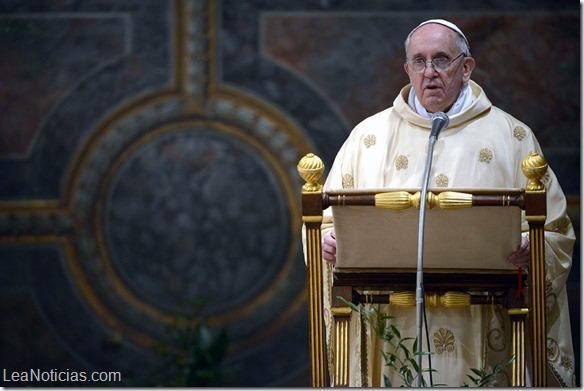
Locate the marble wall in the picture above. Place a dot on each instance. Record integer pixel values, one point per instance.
(148, 155)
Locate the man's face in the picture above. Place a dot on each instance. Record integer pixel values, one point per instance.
(437, 91)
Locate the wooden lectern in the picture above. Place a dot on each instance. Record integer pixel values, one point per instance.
(450, 286)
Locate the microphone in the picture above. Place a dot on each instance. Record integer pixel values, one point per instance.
(440, 122)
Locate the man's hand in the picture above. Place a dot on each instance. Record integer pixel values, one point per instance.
(329, 248)
(520, 257)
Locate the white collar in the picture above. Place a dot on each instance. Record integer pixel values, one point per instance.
(464, 100)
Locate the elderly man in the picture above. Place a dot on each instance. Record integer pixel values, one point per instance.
(483, 147)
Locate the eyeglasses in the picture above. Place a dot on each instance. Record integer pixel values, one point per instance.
(439, 64)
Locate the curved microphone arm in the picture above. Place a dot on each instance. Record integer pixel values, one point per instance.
(439, 122)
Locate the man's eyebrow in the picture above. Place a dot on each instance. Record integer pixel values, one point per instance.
(442, 54)
(434, 55)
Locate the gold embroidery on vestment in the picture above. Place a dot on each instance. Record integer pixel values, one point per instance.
(519, 133)
(329, 317)
(567, 362)
(485, 156)
(549, 285)
(444, 341)
(561, 226)
(348, 181)
(550, 301)
(441, 180)
(369, 140)
(552, 350)
(401, 163)
(496, 339)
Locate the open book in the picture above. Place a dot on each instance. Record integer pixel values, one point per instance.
(479, 237)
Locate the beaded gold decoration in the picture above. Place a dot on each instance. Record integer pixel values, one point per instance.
(441, 180)
(401, 163)
(444, 341)
(369, 140)
(519, 133)
(348, 181)
(485, 156)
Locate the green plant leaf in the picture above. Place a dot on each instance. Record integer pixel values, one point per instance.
(409, 378)
(395, 331)
(408, 369)
(414, 365)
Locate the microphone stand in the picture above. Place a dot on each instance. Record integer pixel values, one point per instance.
(436, 128)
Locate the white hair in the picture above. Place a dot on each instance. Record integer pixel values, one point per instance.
(461, 41)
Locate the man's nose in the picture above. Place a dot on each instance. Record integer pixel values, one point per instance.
(428, 66)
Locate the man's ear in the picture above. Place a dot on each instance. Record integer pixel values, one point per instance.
(406, 69)
(469, 64)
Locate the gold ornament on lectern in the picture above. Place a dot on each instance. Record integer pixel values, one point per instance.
(534, 167)
(310, 168)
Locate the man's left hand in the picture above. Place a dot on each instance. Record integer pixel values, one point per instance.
(520, 257)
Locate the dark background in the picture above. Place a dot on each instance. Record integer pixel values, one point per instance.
(148, 155)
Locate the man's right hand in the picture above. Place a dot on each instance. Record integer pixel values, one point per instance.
(329, 248)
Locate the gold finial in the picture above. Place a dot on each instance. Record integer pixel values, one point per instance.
(534, 167)
(453, 200)
(393, 200)
(403, 299)
(310, 168)
(455, 299)
(417, 200)
(432, 299)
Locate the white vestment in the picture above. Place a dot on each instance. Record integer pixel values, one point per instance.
(483, 147)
